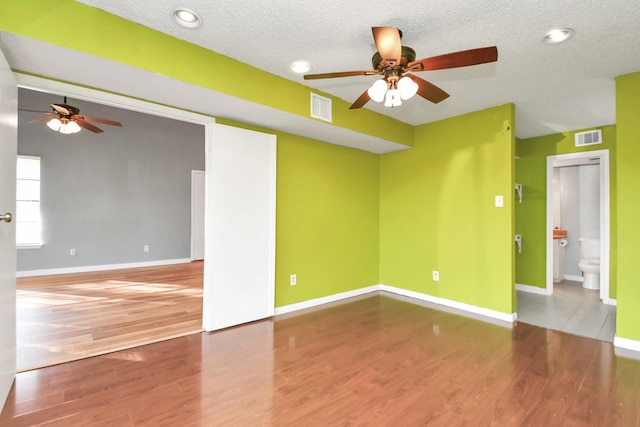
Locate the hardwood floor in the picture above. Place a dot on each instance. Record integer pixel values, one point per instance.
(68, 317)
(374, 361)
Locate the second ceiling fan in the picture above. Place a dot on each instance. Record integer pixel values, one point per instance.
(395, 63)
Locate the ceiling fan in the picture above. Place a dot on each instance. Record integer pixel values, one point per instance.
(395, 63)
(67, 119)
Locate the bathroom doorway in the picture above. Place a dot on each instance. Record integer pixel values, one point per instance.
(588, 161)
(567, 306)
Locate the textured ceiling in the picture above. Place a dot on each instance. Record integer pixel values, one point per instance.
(554, 87)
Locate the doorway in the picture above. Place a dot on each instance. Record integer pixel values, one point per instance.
(120, 199)
(246, 150)
(600, 157)
(566, 306)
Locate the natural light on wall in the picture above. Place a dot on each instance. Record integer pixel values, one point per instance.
(28, 220)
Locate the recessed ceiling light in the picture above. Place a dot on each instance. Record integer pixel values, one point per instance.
(300, 67)
(186, 18)
(558, 36)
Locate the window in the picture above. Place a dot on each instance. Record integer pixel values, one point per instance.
(28, 220)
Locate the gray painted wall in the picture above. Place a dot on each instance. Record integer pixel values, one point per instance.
(107, 195)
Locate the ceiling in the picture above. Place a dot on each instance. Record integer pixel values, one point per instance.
(555, 88)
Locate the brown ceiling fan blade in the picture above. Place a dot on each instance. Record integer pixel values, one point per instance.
(429, 91)
(36, 111)
(359, 103)
(388, 43)
(60, 109)
(340, 74)
(99, 120)
(463, 58)
(87, 126)
(41, 119)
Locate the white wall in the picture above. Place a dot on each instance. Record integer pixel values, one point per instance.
(580, 202)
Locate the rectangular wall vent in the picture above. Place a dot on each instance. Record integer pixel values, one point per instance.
(320, 107)
(591, 137)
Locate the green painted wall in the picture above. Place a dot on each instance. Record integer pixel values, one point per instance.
(437, 211)
(531, 214)
(86, 29)
(628, 196)
(327, 218)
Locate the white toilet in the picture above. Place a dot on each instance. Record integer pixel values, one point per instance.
(589, 262)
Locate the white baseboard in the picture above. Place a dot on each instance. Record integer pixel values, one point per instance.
(629, 347)
(573, 278)
(532, 289)
(468, 308)
(503, 319)
(325, 300)
(107, 267)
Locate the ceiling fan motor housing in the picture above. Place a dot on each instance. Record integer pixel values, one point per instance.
(70, 108)
(408, 56)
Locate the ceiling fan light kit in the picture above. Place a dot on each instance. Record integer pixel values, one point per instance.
(395, 63)
(63, 126)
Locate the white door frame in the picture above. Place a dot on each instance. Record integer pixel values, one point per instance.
(8, 143)
(605, 222)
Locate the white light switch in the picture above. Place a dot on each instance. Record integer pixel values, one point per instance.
(499, 201)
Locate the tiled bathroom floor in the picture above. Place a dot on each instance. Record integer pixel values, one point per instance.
(570, 309)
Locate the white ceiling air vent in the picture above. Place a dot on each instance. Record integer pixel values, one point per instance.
(591, 137)
(320, 107)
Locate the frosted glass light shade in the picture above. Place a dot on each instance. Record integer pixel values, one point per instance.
(407, 87)
(392, 98)
(70, 127)
(54, 124)
(65, 126)
(377, 90)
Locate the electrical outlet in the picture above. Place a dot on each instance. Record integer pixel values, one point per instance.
(436, 276)
(146, 248)
(292, 280)
(499, 201)
(72, 251)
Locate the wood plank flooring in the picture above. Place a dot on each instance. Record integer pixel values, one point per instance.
(374, 361)
(67, 317)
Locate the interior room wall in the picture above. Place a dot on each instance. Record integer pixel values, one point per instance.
(107, 195)
(531, 172)
(628, 158)
(327, 218)
(437, 210)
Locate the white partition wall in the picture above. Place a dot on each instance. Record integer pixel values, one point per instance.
(239, 227)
